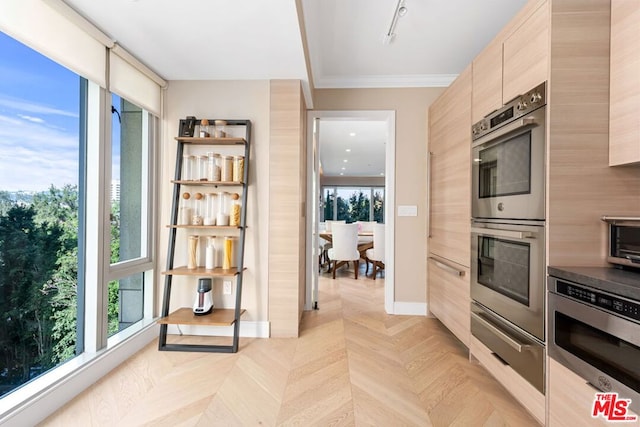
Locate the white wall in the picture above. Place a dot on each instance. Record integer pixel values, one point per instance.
(221, 100)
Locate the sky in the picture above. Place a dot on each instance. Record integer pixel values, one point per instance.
(39, 102)
(39, 120)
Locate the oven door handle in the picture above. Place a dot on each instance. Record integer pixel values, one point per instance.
(502, 233)
(512, 342)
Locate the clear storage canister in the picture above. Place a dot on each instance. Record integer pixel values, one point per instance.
(185, 209)
(213, 167)
(234, 216)
(227, 169)
(202, 165)
(223, 209)
(192, 252)
(198, 212)
(187, 167)
(211, 209)
(238, 168)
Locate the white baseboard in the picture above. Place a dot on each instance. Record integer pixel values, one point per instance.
(248, 329)
(410, 308)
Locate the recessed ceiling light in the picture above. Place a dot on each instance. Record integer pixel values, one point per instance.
(341, 173)
(382, 173)
(344, 168)
(345, 160)
(352, 134)
(348, 150)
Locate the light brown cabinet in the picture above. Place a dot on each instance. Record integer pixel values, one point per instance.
(450, 172)
(624, 93)
(487, 81)
(450, 207)
(570, 399)
(526, 55)
(449, 296)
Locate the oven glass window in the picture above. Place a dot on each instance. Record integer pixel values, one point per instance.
(606, 352)
(504, 267)
(505, 168)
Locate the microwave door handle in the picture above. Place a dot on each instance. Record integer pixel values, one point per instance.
(502, 233)
(513, 343)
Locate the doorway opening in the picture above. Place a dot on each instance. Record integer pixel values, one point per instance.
(372, 166)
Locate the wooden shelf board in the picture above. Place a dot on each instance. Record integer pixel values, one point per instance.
(185, 316)
(209, 183)
(207, 227)
(201, 271)
(215, 141)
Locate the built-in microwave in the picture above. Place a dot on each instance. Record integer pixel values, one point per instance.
(624, 240)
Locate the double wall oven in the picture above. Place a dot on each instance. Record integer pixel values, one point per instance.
(508, 233)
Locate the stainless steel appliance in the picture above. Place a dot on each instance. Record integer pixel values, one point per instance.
(507, 271)
(624, 240)
(596, 334)
(523, 353)
(508, 153)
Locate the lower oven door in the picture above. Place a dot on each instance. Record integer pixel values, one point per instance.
(602, 348)
(507, 272)
(523, 353)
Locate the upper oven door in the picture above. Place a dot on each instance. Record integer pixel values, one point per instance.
(508, 170)
(507, 272)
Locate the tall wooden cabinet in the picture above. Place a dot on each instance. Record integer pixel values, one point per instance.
(450, 206)
(624, 93)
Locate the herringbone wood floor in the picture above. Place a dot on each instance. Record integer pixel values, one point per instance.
(352, 365)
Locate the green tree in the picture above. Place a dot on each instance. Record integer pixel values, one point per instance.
(378, 207)
(27, 262)
(359, 207)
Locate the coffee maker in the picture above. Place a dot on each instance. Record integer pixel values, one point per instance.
(204, 301)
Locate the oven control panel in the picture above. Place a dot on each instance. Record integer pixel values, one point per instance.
(614, 304)
(516, 108)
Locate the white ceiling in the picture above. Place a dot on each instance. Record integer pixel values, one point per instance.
(263, 39)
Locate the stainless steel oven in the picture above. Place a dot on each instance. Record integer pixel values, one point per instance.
(508, 160)
(596, 334)
(508, 273)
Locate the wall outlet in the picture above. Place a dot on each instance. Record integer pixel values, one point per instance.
(226, 287)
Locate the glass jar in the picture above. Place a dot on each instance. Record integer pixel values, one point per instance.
(197, 217)
(220, 131)
(210, 251)
(211, 208)
(187, 167)
(192, 252)
(223, 209)
(201, 168)
(234, 216)
(213, 167)
(204, 128)
(228, 253)
(185, 209)
(238, 168)
(226, 170)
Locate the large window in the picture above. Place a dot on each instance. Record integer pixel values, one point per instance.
(40, 172)
(353, 204)
(66, 284)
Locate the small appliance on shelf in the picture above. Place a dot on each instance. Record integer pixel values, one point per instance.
(204, 302)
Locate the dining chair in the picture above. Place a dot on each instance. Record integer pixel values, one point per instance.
(345, 247)
(324, 254)
(375, 255)
(365, 227)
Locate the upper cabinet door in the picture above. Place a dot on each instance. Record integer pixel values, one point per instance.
(624, 93)
(487, 81)
(526, 55)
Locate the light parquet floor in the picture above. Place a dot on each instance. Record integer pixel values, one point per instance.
(352, 365)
